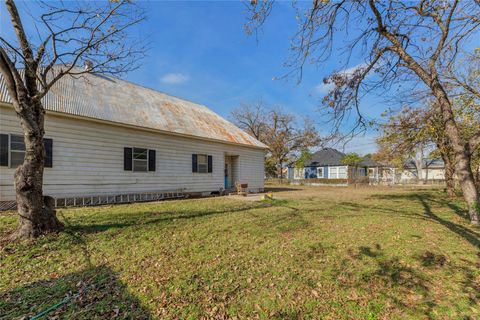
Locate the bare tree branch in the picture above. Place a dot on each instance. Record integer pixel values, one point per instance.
(71, 35)
(424, 41)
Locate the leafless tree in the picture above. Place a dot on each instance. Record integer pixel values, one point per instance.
(463, 75)
(251, 118)
(284, 135)
(68, 36)
(400, 41)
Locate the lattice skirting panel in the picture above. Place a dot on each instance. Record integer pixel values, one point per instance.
(79, 201)
(8, 205)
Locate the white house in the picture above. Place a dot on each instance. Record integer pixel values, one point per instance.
(432, 170)
(106, 137)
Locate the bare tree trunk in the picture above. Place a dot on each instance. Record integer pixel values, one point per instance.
(477, 178)
(279, 172)
(36, 212)
(419, 167)
(470, 192)
(85, 29)
(462, 154)
(449, 173)
(443, 145)
(425, 181)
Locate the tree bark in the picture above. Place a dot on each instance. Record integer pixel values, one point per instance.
(419, 168)
(477, 178)
(462, 154)
(425, 180)
(467, 183)
(461, 148)
(449, 174)
(36, 213)
(279, 172)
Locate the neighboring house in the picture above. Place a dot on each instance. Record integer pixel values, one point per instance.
(328, 164)
(432, 170)
(106, 136)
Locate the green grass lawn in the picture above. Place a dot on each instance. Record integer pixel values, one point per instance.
(316, 253)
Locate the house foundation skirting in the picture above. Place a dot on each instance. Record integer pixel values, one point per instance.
(96, 200)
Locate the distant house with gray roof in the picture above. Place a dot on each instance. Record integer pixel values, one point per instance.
(328, 164)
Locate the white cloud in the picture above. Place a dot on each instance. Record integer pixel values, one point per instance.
(174, 78)
(324, 88)
(351, 70)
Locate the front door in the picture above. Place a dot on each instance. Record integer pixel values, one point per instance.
(226, 175)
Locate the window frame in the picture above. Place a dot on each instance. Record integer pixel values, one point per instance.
(344, 172)
(10, 150)
(333, 172)
(199, 155)
(298, 173)
(142, 160)
(322, 169)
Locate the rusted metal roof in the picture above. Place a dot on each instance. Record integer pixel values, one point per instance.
(115, 100)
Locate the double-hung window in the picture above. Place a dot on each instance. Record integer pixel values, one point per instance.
(338, 172)
(140, 159)
(12, 150)
(342, 172)
(17, 150)
(333, 172)
(202, 163)
(319, 172)
(299, 173)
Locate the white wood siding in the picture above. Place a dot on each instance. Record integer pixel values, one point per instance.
(88, 160)
(433, 174)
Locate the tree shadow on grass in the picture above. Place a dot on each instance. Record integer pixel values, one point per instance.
(289, 220)
(94, 293)
(129, 219)
(394, 273)
(426, 200)
(428, 197)
(409, 286)
(396, 279)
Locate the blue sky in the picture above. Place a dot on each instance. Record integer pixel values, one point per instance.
(200, 52)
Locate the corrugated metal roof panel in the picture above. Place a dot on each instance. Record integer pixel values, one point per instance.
(111, 99)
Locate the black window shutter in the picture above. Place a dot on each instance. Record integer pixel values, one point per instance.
(210, 164)
(3, 149)
(127, 159)
(194, 163)
(151, 160)
(48, 143)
